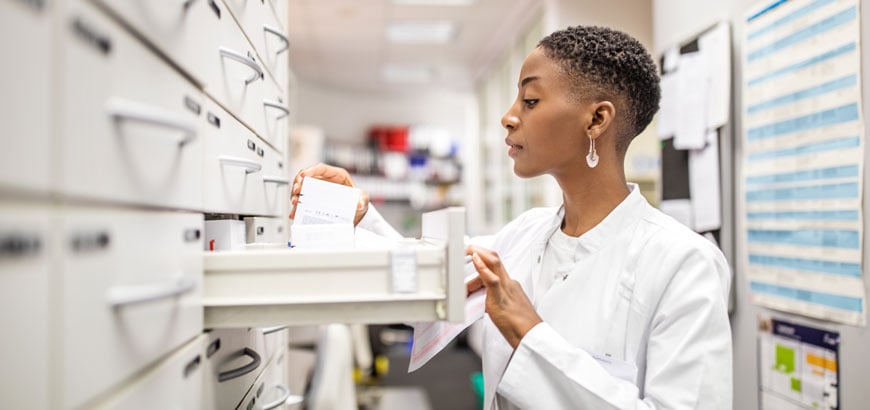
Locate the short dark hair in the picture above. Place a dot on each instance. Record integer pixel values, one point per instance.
(608, 64)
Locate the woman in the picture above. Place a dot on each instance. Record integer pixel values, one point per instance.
(604, 302)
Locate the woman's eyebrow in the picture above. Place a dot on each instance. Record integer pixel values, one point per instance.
(527, 80)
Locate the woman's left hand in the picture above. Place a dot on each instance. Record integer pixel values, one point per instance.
(506, 302)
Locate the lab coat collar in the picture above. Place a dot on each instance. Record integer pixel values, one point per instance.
(609, 228)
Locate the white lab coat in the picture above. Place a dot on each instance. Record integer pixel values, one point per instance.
(646, 294)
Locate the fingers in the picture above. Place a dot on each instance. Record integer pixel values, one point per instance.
(488, 265)
(328, 173)
(473, 285)
(486, 275)
(362, 207)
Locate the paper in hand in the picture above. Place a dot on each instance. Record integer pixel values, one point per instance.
(322, 202)
(432, 337)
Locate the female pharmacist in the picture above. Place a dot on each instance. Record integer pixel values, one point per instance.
(603, 302)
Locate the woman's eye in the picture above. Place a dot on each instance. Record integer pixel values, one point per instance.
(530, 102)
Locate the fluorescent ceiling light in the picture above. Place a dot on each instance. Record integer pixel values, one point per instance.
(434, 2)
(406, 74)
(438, 32)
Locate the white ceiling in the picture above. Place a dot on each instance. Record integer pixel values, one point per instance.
(342, 43)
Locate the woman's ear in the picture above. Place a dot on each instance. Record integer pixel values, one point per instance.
(603, 113)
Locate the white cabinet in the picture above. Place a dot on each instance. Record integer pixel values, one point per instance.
(26, 109)
(205, 41)
(27, 249)
(174, 383)
(123, 121)
(243, 175)
(260, 23)
(130, 127)
(131, 292)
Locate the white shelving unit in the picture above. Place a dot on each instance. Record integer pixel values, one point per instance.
(126, 125)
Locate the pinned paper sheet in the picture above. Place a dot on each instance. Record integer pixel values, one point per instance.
(322, 202)
(692, 86)
(431, 337)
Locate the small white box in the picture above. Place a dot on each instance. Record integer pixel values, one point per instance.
(224, 235)
(322, 236)
(263, 230)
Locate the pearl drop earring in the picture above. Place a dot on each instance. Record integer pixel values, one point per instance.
(592, 157)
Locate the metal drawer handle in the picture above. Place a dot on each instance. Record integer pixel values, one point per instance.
(241, 371)
(241, 58)
(286, 398)
(276, 180)
(249, 166)
(273, 329)
(277, 33)
(278, 106)
(125, 110)
(120, 296)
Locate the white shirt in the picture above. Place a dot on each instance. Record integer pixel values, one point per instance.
(646, 293)
(557, 262)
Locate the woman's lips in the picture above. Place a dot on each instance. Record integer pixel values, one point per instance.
(513, 149)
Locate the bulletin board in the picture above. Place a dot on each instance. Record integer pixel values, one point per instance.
(803, 158)
(694, 128)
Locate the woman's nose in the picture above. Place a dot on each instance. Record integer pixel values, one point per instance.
(509, 121)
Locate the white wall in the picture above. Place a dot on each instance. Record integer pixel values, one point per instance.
(347, 115)
(632, 17)
(673, 21)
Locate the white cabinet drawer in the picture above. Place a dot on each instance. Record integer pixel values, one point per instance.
(307, 286)
(131, 292)
(243, 175)
(281, 10)
(275, 339)
(275, 115)
(235, 358)
(174, 383)
(269, 36)
(25, 106)
(27, 249)
(270, 391)
(182, 30)
(130, 124)
(266, 230)
(276, 185)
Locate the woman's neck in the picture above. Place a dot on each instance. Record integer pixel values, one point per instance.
(588, 202)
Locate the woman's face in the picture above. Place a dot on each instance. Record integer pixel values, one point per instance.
(545, 128)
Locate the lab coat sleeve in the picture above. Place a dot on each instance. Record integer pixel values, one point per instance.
(688, 352)
(374, 222)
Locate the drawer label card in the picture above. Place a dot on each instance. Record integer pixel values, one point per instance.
(404, 270)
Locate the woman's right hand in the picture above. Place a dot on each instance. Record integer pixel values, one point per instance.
(332, 174)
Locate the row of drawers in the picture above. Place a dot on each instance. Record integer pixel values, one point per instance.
(94, 296)
(205, 40)
(228, 369)
(132, 130)
(90, 296)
